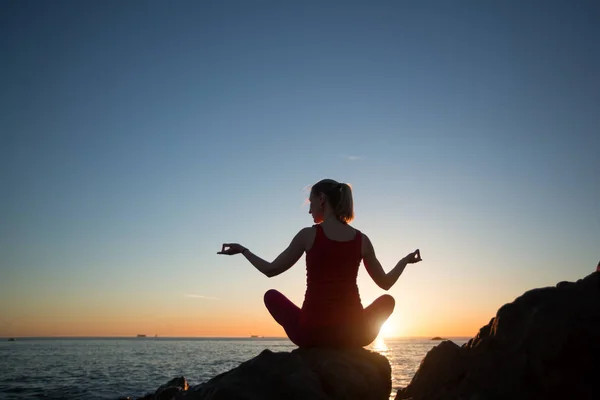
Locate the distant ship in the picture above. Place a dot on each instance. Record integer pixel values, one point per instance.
(12, 339)
(140, 335)
(253, 336)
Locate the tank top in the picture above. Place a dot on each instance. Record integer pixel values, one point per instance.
(331, 296)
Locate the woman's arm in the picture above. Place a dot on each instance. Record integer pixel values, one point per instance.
(380, 277)
(282, 263)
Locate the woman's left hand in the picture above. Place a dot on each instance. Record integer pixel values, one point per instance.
(232, 248)
(413, 257)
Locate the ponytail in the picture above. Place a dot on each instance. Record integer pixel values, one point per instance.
(339, 196)
(344, 210)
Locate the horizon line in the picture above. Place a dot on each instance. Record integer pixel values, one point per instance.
(204, 337)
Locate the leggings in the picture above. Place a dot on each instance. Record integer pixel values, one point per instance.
(360, 334)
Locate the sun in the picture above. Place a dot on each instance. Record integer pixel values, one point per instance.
(387, 330)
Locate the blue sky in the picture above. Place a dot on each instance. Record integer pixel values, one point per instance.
(139, 136)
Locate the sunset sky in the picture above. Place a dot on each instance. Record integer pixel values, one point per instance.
(137, 137)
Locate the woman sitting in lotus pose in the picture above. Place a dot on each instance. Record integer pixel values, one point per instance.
(332, 314)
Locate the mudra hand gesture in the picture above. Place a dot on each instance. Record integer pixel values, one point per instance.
(231, 249)
(413, 257)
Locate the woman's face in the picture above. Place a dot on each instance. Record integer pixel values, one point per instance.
(315, 208)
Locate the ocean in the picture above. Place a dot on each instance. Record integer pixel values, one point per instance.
(108, 368)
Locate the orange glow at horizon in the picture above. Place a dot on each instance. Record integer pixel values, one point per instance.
(176, 326)
(218, 318)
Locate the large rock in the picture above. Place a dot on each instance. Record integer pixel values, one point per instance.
(311, 374)
(173, 389)
(544, 345)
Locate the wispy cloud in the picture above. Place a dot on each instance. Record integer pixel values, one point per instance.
(353, 157)
(199, 296)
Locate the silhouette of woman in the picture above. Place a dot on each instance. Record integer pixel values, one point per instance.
(332, 314)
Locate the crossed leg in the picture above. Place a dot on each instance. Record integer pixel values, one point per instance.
(287, 314)
(375, 315)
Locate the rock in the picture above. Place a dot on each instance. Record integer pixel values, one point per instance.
(544, 345)
(311, 374)
(450, 362)
(317, 374)
(172, 390)
(438, 338)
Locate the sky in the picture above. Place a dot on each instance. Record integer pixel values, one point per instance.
(138, 136)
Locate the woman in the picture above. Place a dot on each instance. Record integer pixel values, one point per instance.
(332, 314)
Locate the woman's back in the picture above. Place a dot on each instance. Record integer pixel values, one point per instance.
(331, 270)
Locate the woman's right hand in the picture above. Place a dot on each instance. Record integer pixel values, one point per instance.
(413, 257)
(231, 249)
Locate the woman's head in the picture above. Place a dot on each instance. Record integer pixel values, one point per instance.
(329, 196)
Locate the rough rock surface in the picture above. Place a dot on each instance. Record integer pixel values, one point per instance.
(311, 374)
(544, 345)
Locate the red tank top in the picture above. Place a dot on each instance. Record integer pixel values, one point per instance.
(332, 296)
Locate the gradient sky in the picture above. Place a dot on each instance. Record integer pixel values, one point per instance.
(137, 137)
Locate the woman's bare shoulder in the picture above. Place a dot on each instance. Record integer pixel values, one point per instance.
(362, 234)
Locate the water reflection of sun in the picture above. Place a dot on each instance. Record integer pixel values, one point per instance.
(386, 331)
(379, 346)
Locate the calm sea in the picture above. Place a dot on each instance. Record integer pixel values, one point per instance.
(107, 368)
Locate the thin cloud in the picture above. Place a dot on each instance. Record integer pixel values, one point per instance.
(353, 157)
(199, 296)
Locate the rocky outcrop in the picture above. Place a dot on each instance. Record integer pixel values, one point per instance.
(311, 374)
(174, 389)
(544, 345)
